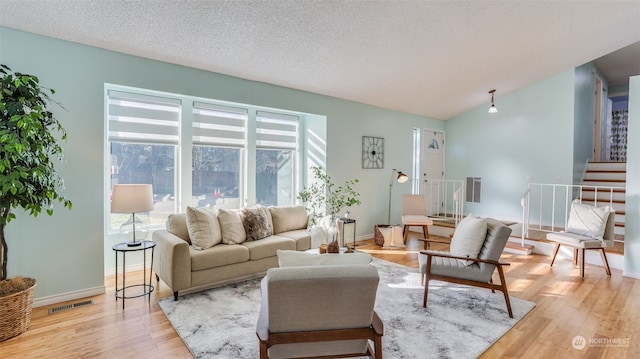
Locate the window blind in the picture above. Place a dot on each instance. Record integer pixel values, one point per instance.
(219, 125)
(275, 130)
(142, 118)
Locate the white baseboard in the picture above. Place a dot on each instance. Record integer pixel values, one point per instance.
(58, 298)
(129, 268)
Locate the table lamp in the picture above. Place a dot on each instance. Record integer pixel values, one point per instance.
(132, 198)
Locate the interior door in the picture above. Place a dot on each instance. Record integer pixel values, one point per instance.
(597, 123)
(433, 170)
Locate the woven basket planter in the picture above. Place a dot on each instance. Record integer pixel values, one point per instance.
(15, 313)
(378, 237)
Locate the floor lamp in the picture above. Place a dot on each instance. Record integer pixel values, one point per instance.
(132, 198)
(401, 178)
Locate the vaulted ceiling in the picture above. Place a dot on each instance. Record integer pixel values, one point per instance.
(431, 58)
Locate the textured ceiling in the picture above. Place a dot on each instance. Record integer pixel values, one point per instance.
(432, 58)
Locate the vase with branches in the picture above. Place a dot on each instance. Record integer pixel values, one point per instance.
(323, 197)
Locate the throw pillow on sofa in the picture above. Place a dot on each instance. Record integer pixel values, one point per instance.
(256, 222)
(288, 218)
(177, 225)
(203, 227)
(231, 226)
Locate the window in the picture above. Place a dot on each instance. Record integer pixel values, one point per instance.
(219, 137)
(143, 134)
(201, 152)
(276, 148)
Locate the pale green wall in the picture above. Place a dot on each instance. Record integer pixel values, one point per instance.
(632, 203)
(530, 136)
(65, 252)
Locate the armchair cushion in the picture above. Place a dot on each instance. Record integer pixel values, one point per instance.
(587, 220)
(298, 259)
(469, 237)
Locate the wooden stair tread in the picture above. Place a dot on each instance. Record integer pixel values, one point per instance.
(591, 189)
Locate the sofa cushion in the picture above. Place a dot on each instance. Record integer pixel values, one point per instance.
(255, 220)
(218, 256)
(203, 226)
(299, 259)
(468, 238)
(268, 247)
(231, 226)
(177, 225)
(301, 236)
(288, 218)
(587, 220)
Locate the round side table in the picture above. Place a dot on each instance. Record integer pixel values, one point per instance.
(123, 249)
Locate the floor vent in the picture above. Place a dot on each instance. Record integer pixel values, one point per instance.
(70, 306)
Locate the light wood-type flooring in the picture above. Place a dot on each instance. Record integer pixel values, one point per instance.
(604, 310)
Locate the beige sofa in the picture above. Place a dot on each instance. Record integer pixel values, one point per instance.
(203, 247)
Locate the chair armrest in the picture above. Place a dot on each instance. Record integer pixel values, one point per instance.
(477, 260)
(376, 323)
(262, 329)
(172, 262)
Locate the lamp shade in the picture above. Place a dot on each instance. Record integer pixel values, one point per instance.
(402, 178)
(131, 198)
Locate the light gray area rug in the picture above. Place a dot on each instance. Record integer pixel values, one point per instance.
(459, 321)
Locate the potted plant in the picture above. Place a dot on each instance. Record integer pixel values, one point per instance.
(29, 150)
(324, 197)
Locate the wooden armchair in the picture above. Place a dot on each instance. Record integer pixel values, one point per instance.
(444, 266)
(320, 312)
(414, 213)
(584, 238)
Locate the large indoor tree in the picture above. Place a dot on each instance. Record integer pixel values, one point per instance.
(30, 138)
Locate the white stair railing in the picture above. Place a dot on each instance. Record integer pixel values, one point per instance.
(445, 199)
(525, 203)
(548, 205)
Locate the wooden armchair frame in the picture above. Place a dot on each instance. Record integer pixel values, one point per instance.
(428, 276)
(374, 332)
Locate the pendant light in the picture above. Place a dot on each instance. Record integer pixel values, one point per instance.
(493, 108)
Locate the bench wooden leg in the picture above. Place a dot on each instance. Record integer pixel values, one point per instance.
(405, 234)
(581, 262)
(425, 231)
(605, 262)
(555, 253)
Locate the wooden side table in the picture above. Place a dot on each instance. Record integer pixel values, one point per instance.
(123, 249)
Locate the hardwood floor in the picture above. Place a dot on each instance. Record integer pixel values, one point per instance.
(605, 310)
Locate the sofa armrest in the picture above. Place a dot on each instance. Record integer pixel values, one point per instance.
(173, 260)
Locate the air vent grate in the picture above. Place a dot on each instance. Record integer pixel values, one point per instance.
(69, 306)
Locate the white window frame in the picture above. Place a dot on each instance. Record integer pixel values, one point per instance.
(183, 156)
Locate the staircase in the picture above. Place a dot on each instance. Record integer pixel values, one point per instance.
(611, 174)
